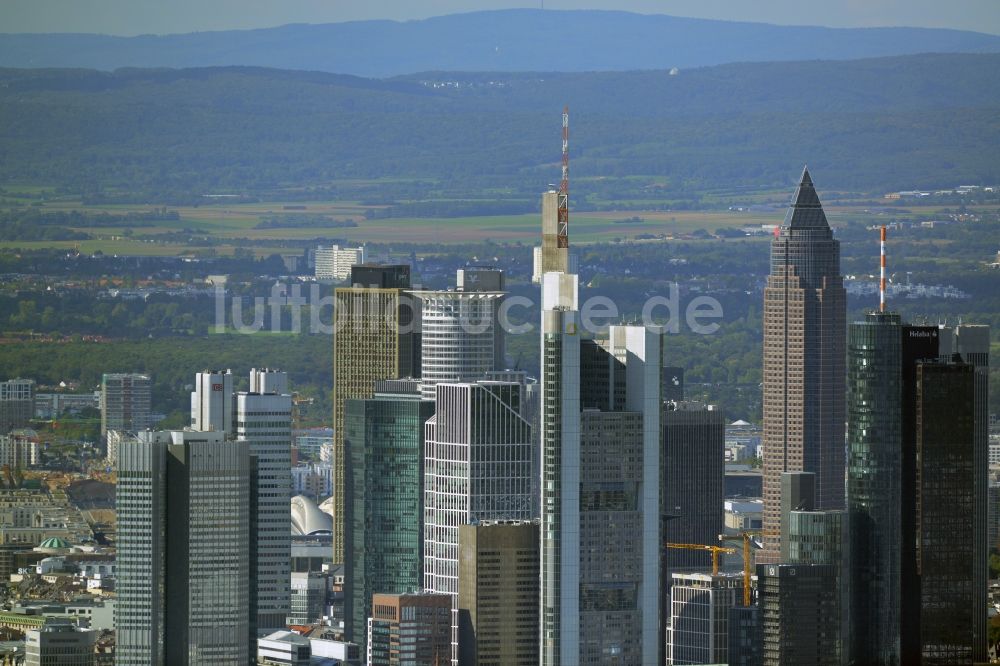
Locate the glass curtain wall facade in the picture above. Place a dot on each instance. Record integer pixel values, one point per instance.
(384, 439)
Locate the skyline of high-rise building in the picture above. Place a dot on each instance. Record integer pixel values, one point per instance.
(617, 465)
(895, 496)
(805, 309)
(334, 262)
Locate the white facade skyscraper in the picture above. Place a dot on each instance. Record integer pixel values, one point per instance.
(263, 419)
(212, 402)
(477, 467)
(461, 337)
(600, 421)
(334, 262)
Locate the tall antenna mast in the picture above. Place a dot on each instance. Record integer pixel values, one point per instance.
(881, 282)
(563, 227)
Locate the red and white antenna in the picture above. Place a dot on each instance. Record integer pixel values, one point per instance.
(563, 208)
(881, 282)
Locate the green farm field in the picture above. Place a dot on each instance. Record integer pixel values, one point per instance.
(228, 226)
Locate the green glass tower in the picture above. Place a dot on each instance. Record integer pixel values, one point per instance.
(384, 446)
(874, 478)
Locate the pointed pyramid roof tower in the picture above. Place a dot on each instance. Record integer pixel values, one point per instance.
(806, 210)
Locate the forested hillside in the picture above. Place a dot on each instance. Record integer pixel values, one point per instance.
(872, 125)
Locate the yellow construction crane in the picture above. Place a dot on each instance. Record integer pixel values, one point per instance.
(715, 550)
(748, 544)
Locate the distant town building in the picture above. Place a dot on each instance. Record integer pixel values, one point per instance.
(743, 442)
(125, 402)
(334, 262)
(409, 629)
(308, 599)
(19, 449)
(54, 405)
(310, 442)
(313, 479)
(17, 404)
(498, 593)
(743, 482)
(741, 515)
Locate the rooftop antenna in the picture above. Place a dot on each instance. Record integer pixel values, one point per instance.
(881, 282)
(562, 238)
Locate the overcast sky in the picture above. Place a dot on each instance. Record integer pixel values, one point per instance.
(131, 17)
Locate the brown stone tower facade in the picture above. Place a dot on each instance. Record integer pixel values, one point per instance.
(805, 310)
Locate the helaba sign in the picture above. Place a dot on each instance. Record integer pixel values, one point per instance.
(923, 333)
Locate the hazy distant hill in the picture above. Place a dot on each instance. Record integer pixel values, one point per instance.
(910, 121)
(508, 40)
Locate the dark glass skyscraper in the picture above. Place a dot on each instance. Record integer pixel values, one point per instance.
(972, 342)
(946, 541)
(799, 614)
(875, 471)
(916, 592)
(384, 443)
(804, 366)
(693, 477)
